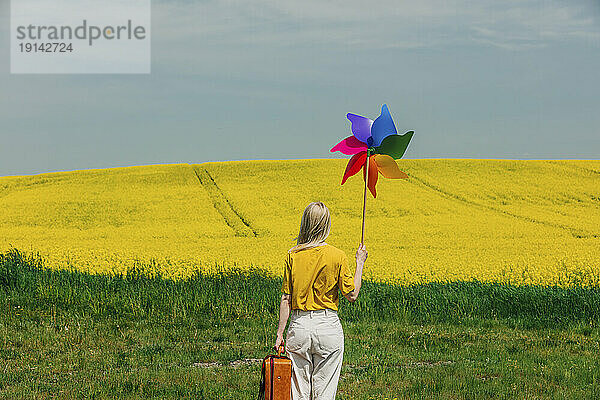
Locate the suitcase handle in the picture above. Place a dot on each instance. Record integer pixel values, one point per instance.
(279, 350)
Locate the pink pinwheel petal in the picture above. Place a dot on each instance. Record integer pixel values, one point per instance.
(349, 146)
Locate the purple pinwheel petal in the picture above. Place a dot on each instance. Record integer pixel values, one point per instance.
(361, 127)
(349, 146)
(382, 127)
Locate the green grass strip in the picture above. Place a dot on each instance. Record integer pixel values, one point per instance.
(232, 295)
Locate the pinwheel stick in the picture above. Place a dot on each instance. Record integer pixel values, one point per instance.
(362, 237)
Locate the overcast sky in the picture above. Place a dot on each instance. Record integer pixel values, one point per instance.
(273, 79)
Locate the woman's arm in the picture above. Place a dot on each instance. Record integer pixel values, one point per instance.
(285, 307)
(361, 257)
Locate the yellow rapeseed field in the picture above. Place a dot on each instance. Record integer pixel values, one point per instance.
(523, 222)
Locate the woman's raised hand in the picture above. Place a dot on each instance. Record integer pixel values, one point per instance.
(361, 254)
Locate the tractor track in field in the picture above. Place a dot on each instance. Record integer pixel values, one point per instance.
(577, 233)
(221, 203)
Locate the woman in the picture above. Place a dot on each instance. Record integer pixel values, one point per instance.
(314, 272)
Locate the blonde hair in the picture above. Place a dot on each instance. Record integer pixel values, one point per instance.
(314, 227)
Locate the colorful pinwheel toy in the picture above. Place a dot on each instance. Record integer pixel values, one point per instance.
(379, 142)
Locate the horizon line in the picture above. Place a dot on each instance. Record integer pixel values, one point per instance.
(290, 159)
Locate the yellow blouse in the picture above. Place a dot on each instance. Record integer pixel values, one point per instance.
(313, 276)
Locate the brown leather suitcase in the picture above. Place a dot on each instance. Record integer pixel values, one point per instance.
(276, 382)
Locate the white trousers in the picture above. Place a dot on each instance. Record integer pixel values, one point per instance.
(315, 344)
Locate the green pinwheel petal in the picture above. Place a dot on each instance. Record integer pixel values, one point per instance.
(394, 145)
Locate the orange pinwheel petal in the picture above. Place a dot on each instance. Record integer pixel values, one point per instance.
(388, 167)
(354, 165)
(372, 175)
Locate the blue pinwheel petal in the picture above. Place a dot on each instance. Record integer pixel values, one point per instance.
(361, 127)
(382, 127)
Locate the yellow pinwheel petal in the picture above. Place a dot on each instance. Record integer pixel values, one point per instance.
(388, 167)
